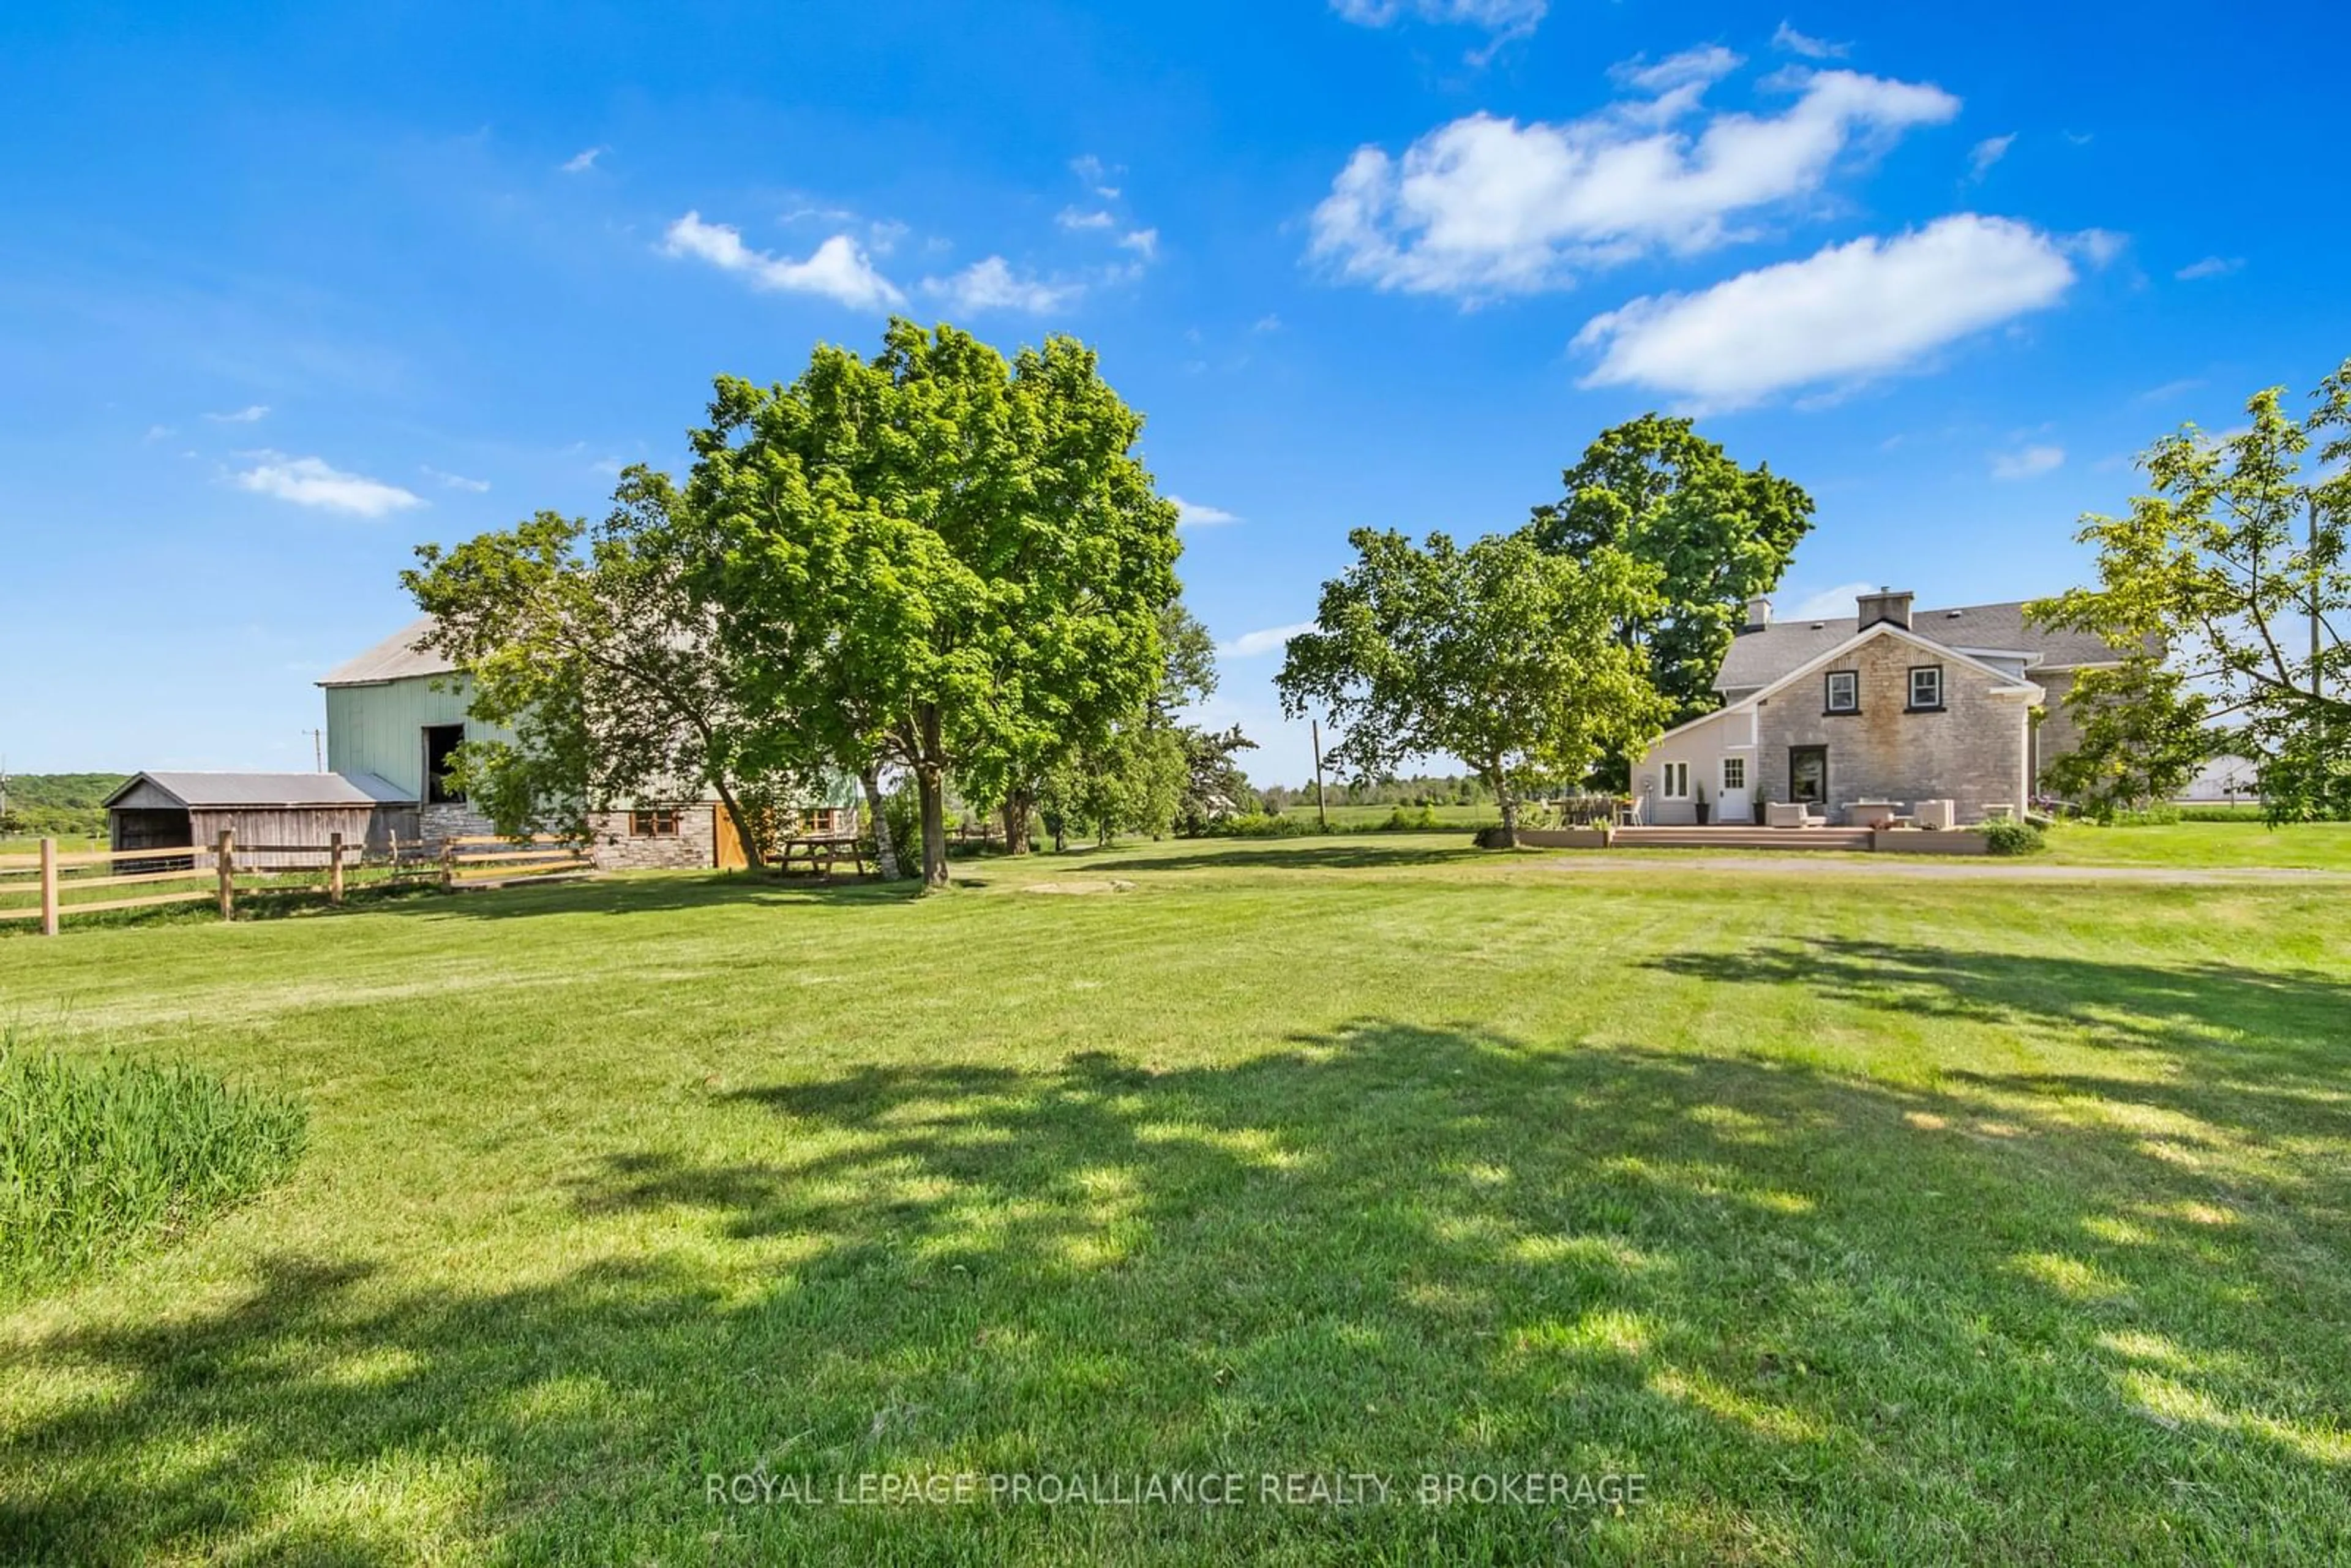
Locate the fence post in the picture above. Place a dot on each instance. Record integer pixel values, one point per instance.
(225, 862)
(334, 868)
(49, 887)
(448, 865)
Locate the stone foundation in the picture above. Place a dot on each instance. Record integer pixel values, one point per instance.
(694, 845)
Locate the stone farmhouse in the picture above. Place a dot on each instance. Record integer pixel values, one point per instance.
(1884, 711)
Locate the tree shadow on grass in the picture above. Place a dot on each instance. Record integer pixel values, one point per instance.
(1827, 1316)
(2261, 1051)
(652, 895)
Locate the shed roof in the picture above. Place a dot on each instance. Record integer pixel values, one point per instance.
(395, 658)
(1758, 658)
(214, 790)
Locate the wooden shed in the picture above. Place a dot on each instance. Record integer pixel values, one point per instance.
(287, 818)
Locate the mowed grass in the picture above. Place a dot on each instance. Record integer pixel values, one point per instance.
(2319, 846)
(1902, 1222)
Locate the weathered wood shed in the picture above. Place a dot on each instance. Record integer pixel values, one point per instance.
(287, 818)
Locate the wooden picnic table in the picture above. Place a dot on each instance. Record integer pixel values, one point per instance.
(820, 850)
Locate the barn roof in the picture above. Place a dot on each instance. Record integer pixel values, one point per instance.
(395, 658)
(214, 790)
(1757, 658)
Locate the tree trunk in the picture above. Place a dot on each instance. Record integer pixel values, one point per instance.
(1509, 811)
(885, 850)
(930, 784)
(1017, 807)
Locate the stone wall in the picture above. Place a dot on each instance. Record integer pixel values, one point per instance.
(2058, 732)
(1973, 751)
(451, 819)
(694, 844)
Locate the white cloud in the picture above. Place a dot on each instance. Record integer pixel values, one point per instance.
(1986, 152)
(311, 482)
(1192, 515)
(1145, 243)
(2169, 389)
(581, 162)
(1829, 604)
(1845, 314)
(1812, 48)
(248, 416)
(1253, 644)
(1504, 18)
(2097, 247)
(454, 481)
(1071, 218)
(2211, 267)
(1095, 173)
(838, 269)
(160, 432)
(1268, 322)
(2026, 462)
(1485, 206)
(992, 285)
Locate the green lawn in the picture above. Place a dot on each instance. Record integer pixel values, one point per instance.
(1909, 1221)
(2314, 845)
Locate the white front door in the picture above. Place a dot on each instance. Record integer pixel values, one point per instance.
(1733, 795)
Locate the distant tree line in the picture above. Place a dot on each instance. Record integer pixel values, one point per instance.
(56, 805)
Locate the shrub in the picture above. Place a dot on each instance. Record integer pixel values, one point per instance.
(2250, 811)
(2007, 836)
(1258, 825)
(1419, 819)
(98, 1158)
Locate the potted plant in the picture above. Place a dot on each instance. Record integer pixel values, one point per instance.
(1700, 807)
(1762, 804)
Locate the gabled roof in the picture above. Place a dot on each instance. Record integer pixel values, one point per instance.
(209, 791)
(395, 658)
(2022, 688)
(1758, 658)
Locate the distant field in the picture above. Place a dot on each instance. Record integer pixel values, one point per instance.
(1347, 817)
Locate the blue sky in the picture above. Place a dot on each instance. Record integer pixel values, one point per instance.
(280, 298)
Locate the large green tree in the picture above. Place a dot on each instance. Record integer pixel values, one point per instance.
(2143, 735)
(590, 646)
(938, 558)
(1717, 534)
(1505, 656)
(2236, 565)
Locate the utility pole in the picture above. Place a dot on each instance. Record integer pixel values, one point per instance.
(318, 750)
(1322, 815)
(2317, 683)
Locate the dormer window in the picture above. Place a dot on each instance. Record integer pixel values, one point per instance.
(1926, 689)
(1844, 691)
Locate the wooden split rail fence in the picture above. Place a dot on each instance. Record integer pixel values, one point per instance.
(505, 863)
(188, 873)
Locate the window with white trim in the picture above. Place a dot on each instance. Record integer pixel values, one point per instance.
(1844, 691)
(1926, 687)
(1734, 773)
(1677, 787)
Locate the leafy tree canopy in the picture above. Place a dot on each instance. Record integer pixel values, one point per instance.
(590, 646)
(1502, 655)
(1718, 535)
(2236, 564)
(960, 561)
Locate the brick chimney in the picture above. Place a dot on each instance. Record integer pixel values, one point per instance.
(1759, 613)
(1884, 605)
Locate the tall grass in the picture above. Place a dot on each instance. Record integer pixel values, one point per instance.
(99, 1158)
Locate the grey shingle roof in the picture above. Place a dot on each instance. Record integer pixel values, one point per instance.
(393, 659)
(1758, 658)
(215, 789)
